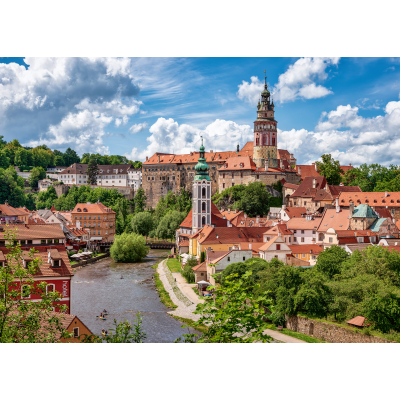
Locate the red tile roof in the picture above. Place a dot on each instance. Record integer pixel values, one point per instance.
(187, 222)
(6, 209)
(92, 208)
(290, 186)
(335, 190)
(45, 269)
(295, 212)
(210, 235)
(36, 231)
(310, 170)
(200, 267)
(306, 248)
(306, 188)
(373, 199)
(238, 163)
(280, 228)
(332, 219)
(302, 223)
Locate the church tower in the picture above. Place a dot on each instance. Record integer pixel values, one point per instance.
(265, 151)
(201, 194)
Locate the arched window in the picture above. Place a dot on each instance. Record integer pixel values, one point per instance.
(203, 192)
(203, 206)
(203, 220)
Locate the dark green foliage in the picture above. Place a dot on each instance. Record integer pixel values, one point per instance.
(46, 198)
(202, 257)
(92, 171)
(330, 169)
(168, 225)
(330, 260)
(142, 223)
(37, 174)
(140, 200)
(253, 199)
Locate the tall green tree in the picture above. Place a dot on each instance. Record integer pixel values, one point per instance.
(330, 169)
(4, 158)
(330, 260)
(92, 171)
(255, 200)
(37, 174)
(142, 223)
(71, 157)
(140, 200)
(168, 225)
(21, 158)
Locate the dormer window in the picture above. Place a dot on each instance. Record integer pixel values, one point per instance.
(79, 210)
(85, 210)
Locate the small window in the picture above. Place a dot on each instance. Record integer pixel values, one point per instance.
(304, 256)
(50, 287)
(302, 231)
(26, 292)
(229, 259)
(244, 258)
(278, 246)
(76, 332)
(330, 240)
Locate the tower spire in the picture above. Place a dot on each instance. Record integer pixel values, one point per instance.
(265, 73)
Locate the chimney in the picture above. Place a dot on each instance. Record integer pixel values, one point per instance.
(284, 207)
(281, 163)
(240, 247)
(258, 219)
(386, 193)
(158, 158)
(147, 158)
(315, 166)
(299, 171)
(236, 210)
(341, 184)
(211, 151)
(337, 205)
(349, 164)
(351, 208)
(266, 165)
(314, 183)
(249, 246)
(245, 216)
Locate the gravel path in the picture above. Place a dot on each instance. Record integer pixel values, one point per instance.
(185, 306)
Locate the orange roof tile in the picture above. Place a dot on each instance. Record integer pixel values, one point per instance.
(332, 219)
(306, 248)
(200, 267)
(310, 170)
(238, 163)
(373, 199)
(357, 321)
(210, 235)
(92, 208)
(295, 212)
(6, 209)
(36, 231)
(302, 223)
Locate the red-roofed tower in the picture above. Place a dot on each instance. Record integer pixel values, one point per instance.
(265, 132)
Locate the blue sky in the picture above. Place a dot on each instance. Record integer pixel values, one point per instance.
(348, 107)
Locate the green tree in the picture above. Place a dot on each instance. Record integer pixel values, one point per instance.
(140, 200)
(330, 169)
(129, 248)
(4, 159)
(168, 225)
(255, 200)
(11, 187)
(21, 158)
(25, 321)
(330, 260)
(234, 315)
(70, 157)
(37, 174)
(45, 199)
(92, 171)
(125, 332)
(142, 223)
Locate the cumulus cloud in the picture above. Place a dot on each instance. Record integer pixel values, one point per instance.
(66, 102)
(250, 92)
(349, 137)
(136, 128)
(299, 79)
(167, 136)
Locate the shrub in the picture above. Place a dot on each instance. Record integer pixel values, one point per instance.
(128, 248)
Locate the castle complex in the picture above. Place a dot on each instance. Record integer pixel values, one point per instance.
(260, 161)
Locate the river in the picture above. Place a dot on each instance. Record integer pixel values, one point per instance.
(99, 286)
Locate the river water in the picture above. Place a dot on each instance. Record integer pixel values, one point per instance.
(99, 286)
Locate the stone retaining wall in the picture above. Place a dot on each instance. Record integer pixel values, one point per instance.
(89, 261)
(329, 332)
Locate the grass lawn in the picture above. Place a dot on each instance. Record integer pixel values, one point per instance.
(298, 335)
(174, 265)
(190, 322)
(164, 296)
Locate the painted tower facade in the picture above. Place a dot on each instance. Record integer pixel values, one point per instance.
(201, 193)
(265, 132)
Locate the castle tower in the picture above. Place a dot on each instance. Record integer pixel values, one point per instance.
(265, 132)
(201, 194)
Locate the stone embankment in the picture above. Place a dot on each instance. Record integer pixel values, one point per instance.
(185, 307)
(92, 260)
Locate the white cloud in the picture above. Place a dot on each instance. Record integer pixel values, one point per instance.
(167, 136)
(349, 137)
(250, 92)
(49, 100)
(136, 128)
(298, 80)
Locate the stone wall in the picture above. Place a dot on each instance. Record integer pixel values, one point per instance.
(89, 261)
(61, 189)
(329, 332)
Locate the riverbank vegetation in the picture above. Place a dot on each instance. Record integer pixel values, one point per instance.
(129, 248)
(339, 287)
(164, 295)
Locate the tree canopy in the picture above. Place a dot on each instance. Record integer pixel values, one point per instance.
(330, 169)
(129, 248)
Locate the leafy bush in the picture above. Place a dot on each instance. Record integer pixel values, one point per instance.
(129, 248)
